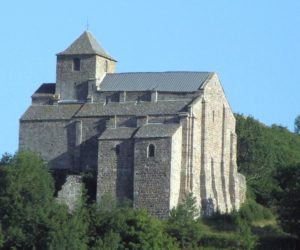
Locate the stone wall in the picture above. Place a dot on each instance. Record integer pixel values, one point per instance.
(219, 170)
(53, 140)
(71, 192)
(152, 176)
(175, 171)
(73, 85)
(92, 128)
(115, 169)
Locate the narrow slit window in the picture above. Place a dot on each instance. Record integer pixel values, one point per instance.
(76, 64)
(151, 150)
(118, 149)
(106, 66)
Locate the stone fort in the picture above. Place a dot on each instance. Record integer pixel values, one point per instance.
(151, 136)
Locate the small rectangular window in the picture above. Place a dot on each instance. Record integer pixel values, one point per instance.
(151, 150)
(76, 64)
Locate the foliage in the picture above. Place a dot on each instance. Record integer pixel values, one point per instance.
(68, 231)
(182, 224)
(187, 210)
(261, 151)
(30, 217)
(252, 211)
(26, 199)
(89, 179)
(1, 236)
(297, 125)
(289, 198)
(121, 227)
(238, 236)
(6, 159)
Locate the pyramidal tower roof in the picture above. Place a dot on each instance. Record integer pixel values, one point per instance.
(86, 44)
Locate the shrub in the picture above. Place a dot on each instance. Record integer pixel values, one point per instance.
(252, 211)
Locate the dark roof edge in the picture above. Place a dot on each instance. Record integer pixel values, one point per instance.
(91, 54)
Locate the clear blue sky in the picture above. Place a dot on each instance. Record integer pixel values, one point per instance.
(254, 46)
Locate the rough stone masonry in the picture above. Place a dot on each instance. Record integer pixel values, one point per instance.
(152, 137)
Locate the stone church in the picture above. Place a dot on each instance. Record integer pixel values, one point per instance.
(151, 136)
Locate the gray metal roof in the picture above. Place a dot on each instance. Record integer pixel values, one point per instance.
(159, 81)
(157, 130)
(131, 108)
(86, 44)
(117, 133)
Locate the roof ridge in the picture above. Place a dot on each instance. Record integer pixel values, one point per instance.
(86, 43)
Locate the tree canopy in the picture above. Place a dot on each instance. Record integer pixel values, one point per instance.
(261, 151)
(297, 125)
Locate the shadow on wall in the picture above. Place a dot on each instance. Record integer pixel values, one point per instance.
(80, 157)
(207, 206)
(124, 168)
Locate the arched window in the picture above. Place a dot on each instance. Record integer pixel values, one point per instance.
(76, 64)
(151, 150)
(118, 148)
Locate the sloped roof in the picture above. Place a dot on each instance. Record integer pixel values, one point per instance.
(86, 44)
(156, 130)
(117, 133)
(67, 111)
(46, 88)
(131, 108)
(159, 81)
(50, 112)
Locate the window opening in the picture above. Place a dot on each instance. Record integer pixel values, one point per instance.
(76, 64)
(151, 150)
(106, 66)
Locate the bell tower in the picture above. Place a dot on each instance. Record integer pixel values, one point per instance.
(82, 63)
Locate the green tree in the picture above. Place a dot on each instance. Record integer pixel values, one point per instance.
(289, 198)
(26, 199)
(68, 231)
(183, 224)
(261, 151)
(121, 227)
(297, 125)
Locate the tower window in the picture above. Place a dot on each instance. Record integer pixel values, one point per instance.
(76, 64)
(151, 150)
(118, 149)
(105, 66)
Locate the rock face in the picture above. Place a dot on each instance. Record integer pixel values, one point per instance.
(151, 136)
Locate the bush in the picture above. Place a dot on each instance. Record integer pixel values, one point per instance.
(218, 241)
(221, 222)
(121, 227)
(252, 211)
